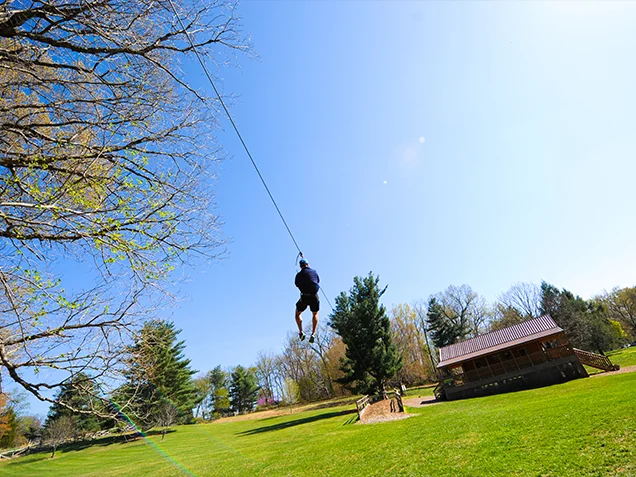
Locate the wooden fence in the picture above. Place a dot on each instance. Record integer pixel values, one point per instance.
(15, 452)
(361, 405)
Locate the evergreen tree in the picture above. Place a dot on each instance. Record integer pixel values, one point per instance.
(158, 375)
(219, 395)
(371, 357)
(212, 394)
(586, 323)
(77, 393)
(243, 389)
(443, 330)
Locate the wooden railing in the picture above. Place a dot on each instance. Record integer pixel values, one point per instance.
(396, 404)
(595, 360)
(361, 405)
(10, 454)
(438, 392)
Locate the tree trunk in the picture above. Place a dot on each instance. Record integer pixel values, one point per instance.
(428, 348)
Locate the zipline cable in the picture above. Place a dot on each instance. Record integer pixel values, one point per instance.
(218, 95)
(238, 133)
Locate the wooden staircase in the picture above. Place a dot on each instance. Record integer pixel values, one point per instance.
(595, 360)
(439, 392)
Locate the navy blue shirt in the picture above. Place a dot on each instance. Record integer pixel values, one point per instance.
(307, 281)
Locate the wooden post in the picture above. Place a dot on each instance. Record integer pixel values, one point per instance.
(502, 363)
(398, 396)
(512, 353)
(489, 368)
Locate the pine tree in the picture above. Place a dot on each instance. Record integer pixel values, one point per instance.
(78, 393)
(219, 395)
(586, 323)
(371, 357)
(443, 331)
(158, 375)
(243, 389)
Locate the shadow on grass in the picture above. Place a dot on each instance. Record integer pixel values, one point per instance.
(305, 408)
(107, 441)
(325, 405)
(297, 422)
(85, 444)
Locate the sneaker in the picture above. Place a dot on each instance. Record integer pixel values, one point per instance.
(301, 336)
(311, 339)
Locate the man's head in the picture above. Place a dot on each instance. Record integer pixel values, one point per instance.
(303, 263)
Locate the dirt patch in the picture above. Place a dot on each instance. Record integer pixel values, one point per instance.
(381, 412)
(626, 369)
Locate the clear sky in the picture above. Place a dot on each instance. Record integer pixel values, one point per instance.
(431, 143)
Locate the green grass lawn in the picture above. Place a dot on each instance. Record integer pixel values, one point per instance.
(625, 357)
(422, 391)
(581, 428)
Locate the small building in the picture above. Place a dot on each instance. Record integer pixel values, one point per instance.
(531, 354)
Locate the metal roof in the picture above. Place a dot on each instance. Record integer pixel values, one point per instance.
(497, 340)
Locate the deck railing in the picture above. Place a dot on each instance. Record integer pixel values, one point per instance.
(595, 360)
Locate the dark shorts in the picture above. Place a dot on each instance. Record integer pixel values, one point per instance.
(311, 301)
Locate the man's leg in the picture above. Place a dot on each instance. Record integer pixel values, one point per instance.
(299, 320)
(314, 322)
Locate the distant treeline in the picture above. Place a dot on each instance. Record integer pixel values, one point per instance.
(160, 388)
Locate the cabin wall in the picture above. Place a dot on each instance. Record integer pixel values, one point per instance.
(545, 374)
(538, 363)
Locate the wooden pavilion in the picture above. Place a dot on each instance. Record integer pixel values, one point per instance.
(530, 354)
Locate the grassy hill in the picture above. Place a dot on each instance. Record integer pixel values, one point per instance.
(581, 428)
(624, 357)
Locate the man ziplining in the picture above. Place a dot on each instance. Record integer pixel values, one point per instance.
(307, 281)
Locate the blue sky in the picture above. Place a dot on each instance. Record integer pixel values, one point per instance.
(431, 143)
(526, 111)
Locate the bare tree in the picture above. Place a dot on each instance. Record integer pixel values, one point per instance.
(267, 374)
(203, 389)
(167, 415)
(410, 340)
(291, 393)
(621, 304)
(104, 162)
(313, 368)
(468, 310)
(525, 298)
(324, 339)
(333, 356)
(58, 432)
(301, 363)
